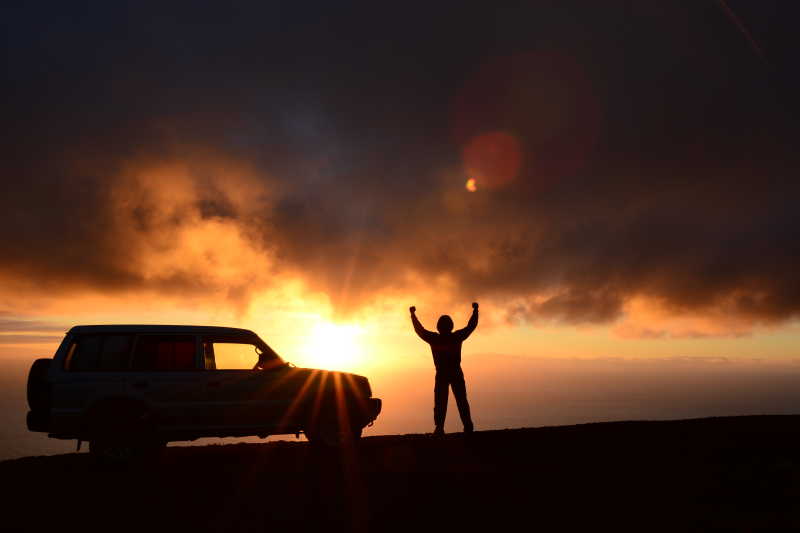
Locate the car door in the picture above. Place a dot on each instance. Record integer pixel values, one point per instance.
(167, 374)
(244, 398)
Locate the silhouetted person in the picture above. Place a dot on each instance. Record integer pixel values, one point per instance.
(446, 348)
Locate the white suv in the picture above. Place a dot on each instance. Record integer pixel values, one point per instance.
(130, 388)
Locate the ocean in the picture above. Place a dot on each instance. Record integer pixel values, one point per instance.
(513, 392)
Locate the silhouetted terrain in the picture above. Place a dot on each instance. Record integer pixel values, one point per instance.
(737, 473)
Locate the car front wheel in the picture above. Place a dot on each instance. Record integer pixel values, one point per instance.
(333, 435)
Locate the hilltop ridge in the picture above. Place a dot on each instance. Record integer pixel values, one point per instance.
(733, 473)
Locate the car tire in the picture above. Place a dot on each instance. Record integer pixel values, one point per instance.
(333, 435)
(113, 452)
(123, 440)
(38, 389)
(120, 451)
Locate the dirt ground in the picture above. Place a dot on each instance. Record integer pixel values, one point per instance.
(737, 473)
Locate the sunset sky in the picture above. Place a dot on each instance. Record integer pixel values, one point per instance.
(610, 180)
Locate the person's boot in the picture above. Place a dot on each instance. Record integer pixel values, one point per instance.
(438, 431)
(468, 428)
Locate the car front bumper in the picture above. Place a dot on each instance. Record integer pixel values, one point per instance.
(374, 406)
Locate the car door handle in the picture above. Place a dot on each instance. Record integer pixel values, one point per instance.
(141, 385)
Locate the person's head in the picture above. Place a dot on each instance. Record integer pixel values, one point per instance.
(445, 324)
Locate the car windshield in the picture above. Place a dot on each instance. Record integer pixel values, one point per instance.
(267, 357)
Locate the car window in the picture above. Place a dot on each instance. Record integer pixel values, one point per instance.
(165, 353)
(116, 351)
(229, 355)
(102, 353)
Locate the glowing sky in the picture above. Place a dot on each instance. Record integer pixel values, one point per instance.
(614, 179)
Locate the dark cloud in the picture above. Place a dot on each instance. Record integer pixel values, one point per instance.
(653, 153)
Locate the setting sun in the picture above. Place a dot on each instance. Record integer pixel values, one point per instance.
(332, 346)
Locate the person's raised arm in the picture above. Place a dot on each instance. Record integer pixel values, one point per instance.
(424, 334)
(471, 325)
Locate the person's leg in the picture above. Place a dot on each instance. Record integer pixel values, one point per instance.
(440, 393)
(460, 392)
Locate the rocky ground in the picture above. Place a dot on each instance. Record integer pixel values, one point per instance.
(736, 473)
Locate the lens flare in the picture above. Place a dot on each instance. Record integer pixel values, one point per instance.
(472, 185)
(495, 157)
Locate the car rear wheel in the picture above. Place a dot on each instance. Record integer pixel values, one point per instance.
(111, 452)
(123, 440)
(119, 451)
